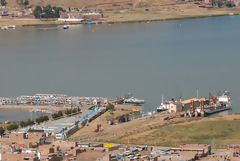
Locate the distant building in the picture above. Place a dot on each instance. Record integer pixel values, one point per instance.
(236, 2)
(175, 107)
(207, 1)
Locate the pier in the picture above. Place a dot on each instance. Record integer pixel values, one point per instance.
(204, 110)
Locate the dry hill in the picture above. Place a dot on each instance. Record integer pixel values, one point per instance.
(94, 4)
(157, 131)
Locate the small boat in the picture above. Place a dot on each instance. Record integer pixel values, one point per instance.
(163, 107)
(66, 27)
(12, 27)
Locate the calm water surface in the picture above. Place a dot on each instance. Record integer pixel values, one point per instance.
(16, 115)
(174, 58)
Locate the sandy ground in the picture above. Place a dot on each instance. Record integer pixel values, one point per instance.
(23, 21)
(87, 133)
(169, 12)
(90, 155)
(120, 133)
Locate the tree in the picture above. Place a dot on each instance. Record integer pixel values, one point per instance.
(22, 124)
(12, 127)
(42, 119)
(1, 130)
(220, 3)
(57, 11)
(26, 123)
(3, 2)
(110, 107)
(230, 4)
(68, 111)
(58, 114)
(74, 110)
(26, 3)
(48, 12)
(30, 122)
(37, 12)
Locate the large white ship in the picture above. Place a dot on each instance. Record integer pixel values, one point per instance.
(134, 100)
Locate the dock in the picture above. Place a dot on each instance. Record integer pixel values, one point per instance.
(209, 112)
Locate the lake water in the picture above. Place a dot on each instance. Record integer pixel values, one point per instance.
(17, 115)
(170, 58)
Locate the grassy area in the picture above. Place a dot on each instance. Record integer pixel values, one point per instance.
(217, 133)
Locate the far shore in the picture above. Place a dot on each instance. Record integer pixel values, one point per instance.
(132, 17)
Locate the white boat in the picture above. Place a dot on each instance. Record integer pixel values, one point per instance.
(224, 99)
(12, 27)
(4, 27)
(66, 27)
(163, 107)
(134, 100)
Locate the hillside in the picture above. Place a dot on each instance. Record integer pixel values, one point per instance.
(94, 4)
(157, 131)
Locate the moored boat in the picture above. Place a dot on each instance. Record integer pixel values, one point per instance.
(164, 106)
(66, 27)
(133, 100)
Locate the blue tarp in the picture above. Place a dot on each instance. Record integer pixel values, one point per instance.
(90, 113)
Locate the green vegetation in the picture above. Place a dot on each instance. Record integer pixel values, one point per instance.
(71, 111)
(110, 107)
(13, 126)
(26, 123)
(137, 104)
(42, 119)
(26, 3)
(16, 125)
(47, 12)
(37, 12)
(135, 112)
(222, 3)
(206, 132)
(1, 130)
(3, 2)
(230, 4)
(57, 115)
(92, 108)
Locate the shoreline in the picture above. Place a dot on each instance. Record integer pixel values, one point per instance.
(130, 21)
(31, 22)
